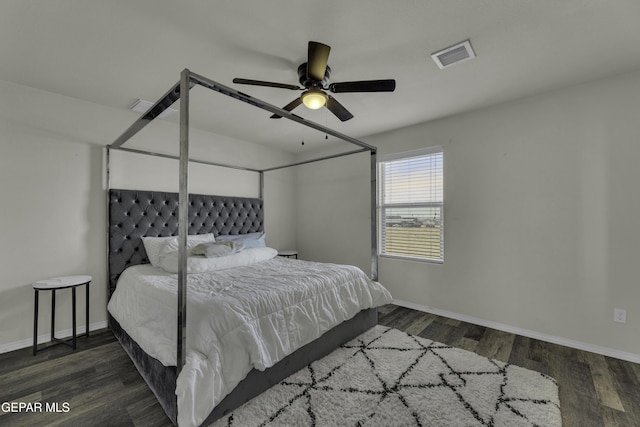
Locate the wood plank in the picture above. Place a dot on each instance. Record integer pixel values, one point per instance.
(475, 332)
(613, 418)
(92, 407)
(74, 367)
(404, 318)
(603, 382)
(541, 354)
(17, 359)
(420, 323)
(33, 397)
(577, 392)
(626, 385)
(457, 334)
(520, 352)
(436, 331)
(467, 344)
(635, 367)
(147, 412)
(496, 345)
(386, 309)
(451, 322)
(393, 316)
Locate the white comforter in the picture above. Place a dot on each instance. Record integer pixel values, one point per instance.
(237, 319)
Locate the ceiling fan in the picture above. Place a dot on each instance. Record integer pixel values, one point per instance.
(314, 77)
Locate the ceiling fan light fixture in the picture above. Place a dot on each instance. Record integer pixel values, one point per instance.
(314, 98)
(314, 76)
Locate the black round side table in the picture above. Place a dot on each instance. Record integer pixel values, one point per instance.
(53, 285)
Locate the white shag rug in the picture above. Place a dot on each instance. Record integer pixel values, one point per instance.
(386, 377)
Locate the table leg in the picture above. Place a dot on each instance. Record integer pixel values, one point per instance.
(87, 308)
(35, 324)
(73, 311)
(53, 313)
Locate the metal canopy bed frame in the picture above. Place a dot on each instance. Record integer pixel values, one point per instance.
(162, 379)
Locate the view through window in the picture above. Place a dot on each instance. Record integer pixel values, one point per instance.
(410, 205)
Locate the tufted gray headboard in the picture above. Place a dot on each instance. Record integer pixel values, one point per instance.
(133, 214)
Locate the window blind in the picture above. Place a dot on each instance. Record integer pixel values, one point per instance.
(411, 205)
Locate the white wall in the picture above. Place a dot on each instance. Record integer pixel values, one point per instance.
(138, 171)
(52, 224)
(541, 214)
(333, 211)
(53, 200)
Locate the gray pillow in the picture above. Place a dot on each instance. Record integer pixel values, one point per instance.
(217, 249)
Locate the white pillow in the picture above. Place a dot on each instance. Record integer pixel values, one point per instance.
(217, 249)
(155, 245)
(250, 240)
(169, 260)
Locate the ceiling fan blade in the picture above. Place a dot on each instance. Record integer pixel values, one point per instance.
(388, 85)
(336, 108)
(290, 106)
(318, 56)
(268, 84)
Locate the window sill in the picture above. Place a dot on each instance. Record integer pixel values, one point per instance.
(409, 258)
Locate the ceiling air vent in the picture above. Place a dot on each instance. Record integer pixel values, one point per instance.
(454, 54)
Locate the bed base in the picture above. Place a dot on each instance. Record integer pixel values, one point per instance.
(162, 379)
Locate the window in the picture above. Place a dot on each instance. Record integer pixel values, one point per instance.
(410, 205)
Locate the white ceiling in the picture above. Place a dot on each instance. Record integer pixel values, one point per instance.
(112, 52)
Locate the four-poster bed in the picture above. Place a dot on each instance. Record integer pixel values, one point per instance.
(136, 214)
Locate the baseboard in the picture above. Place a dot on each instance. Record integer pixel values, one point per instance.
(28, 342)
(605, 351)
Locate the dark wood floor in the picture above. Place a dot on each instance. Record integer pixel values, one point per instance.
(102, 388)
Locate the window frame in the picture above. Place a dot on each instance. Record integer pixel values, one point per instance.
(381, 207)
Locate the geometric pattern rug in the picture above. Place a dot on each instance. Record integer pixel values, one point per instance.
(386, 377)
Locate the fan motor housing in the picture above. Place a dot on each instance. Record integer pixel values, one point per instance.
(307, 82)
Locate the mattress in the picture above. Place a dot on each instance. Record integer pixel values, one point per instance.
(237, 319)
